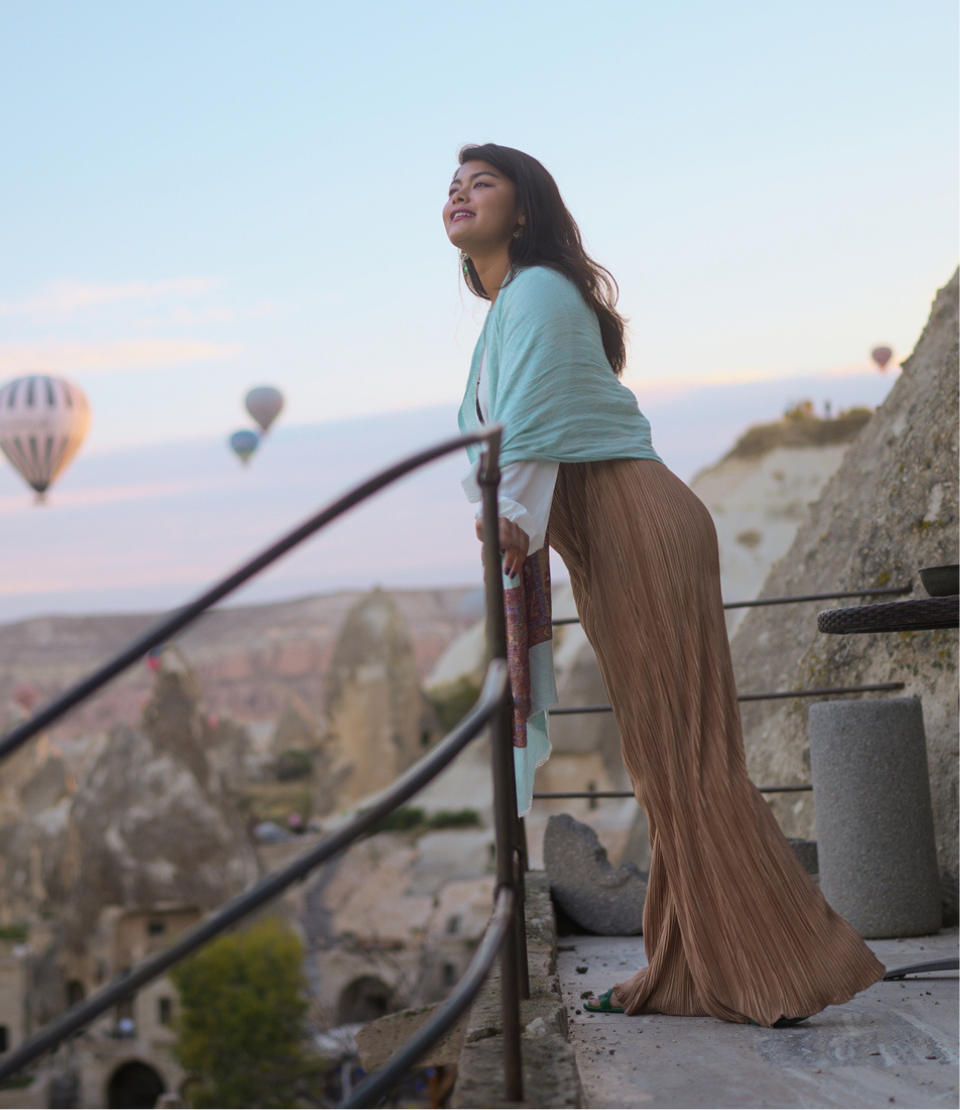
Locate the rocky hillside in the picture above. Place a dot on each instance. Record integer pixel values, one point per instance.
(890, 509)
(249, 660)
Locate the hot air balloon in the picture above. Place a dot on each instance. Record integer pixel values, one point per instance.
(881, 356)
(43, 421)
(264, 404)
(244, 443)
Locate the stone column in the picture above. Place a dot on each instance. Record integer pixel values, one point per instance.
(871, 793)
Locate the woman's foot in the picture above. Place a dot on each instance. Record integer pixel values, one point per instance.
(604, 1004)
(783, 1022)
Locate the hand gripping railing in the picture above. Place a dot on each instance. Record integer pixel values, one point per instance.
(506, 932)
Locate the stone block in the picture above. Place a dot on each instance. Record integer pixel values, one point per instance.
(597, 896)
(380, 1039)
(875, 837)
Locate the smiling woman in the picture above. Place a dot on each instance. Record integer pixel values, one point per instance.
(733, 926)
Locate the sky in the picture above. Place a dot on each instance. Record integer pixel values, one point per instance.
(204, 197)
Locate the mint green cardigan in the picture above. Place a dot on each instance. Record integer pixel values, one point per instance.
(549, 381)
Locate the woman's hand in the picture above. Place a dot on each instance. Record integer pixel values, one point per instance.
(514, 544)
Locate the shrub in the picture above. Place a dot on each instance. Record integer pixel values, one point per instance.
(452, 702)
(241, 1023)
(294, 763)
(453, 819)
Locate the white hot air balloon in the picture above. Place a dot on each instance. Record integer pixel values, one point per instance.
(43, 421)
(264, 404)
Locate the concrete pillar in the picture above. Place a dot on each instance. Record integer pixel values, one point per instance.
(871, 794)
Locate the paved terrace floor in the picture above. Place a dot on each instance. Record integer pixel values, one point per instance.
(893, 1045)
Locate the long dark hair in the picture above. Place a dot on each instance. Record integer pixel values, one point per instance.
(550, 237)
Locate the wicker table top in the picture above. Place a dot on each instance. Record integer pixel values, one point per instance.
(894, 616)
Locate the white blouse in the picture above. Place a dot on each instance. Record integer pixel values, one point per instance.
(526, 488)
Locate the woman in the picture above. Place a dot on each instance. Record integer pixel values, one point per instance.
(733, 926)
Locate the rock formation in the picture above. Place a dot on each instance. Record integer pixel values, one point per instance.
(156, 822)
(890, 509)
(364, 962)
(250, 660)
(154, 827)
(761, 491)
(379, 722)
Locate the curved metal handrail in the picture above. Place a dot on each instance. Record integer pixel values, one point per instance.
(488, 703)
(493, 707)
(180, 618)
(375, 1086)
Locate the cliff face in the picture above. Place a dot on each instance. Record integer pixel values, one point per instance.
(890, 509)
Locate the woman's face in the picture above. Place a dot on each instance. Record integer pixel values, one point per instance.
(481, 212)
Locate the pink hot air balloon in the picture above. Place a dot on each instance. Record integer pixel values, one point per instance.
(881, 356)
(264, 404)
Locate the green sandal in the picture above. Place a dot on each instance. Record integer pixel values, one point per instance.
(606, 1004)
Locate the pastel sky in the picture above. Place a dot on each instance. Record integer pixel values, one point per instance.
(203, 197)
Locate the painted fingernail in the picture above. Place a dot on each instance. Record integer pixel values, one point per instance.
(503, 551)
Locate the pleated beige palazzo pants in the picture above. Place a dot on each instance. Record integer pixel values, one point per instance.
(733, 926)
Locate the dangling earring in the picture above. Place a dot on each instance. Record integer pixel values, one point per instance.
(518, 234)
(464, 260)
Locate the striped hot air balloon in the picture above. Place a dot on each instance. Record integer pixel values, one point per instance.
(43, 421)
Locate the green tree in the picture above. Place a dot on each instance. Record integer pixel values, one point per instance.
(241, 1026)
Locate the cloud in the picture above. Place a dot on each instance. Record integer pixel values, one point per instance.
(663, 389)
(63, 298)
(104, 358)
(23, 504)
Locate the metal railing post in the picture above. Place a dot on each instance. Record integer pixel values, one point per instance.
(513, 952)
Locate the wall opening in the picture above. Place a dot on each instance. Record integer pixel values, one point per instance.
(135, 1085)
(365, 999)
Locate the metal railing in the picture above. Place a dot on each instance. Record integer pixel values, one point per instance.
(767, 695)
(877, 591)
(505, 934)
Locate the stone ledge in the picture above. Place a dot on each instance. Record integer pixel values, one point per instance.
(550, 1076)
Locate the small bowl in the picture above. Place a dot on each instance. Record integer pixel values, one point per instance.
(941, 581)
